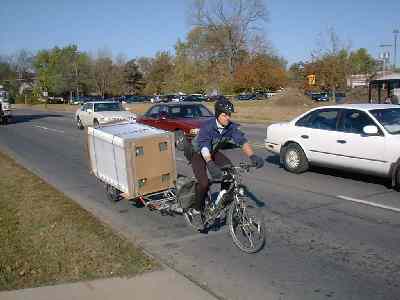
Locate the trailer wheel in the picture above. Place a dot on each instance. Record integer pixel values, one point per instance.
(113, 194)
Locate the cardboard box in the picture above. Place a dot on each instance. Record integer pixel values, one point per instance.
(134, 158)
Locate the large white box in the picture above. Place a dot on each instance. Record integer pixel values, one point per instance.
(134, 158)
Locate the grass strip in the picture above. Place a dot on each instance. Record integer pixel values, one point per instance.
(46, 238)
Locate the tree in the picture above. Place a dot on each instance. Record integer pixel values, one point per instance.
(190, 69)
(6, 72)
(261, 72)
(102, 75)
(229, 24)
(47, 66)
(296, 71)
(62, 70)
(144, 65)
(331, 64)
(159, 75)
(22, 64)
(361, 62)
(133, 78)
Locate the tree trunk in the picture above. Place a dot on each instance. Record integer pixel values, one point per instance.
(334, 93)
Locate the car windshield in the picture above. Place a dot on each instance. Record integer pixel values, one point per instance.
(189, 111)
(389, 118)
(107, 106)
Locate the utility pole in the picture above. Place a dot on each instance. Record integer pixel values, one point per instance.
(385, 55)
(395, 32)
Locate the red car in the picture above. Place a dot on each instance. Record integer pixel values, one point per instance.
(185, 119)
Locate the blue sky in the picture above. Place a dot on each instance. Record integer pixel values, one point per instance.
(142, 27)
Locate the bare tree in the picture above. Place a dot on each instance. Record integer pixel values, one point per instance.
(231, 22)
(22, 64)
(102, 75)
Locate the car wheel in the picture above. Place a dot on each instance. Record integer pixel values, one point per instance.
(397, 185)
(79, 123)
(294, 159)
(96, 123)
(179, 140)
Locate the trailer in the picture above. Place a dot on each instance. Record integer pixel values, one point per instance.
(135, 162)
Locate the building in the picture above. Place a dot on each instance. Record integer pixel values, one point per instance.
(390, 83)
(357, 80)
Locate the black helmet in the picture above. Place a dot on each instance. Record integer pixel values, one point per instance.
(223, 106)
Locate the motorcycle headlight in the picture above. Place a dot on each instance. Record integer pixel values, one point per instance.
(241, 191)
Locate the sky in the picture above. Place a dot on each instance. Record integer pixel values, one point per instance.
(136, 28)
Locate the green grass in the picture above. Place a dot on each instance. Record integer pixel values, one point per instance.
(47, 238)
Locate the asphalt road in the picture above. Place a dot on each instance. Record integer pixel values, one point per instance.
(322, 243)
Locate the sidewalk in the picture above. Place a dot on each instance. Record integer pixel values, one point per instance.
(164, 285)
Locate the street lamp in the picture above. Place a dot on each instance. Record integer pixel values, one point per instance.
(395, 32)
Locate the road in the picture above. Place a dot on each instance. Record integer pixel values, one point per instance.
(330, 234)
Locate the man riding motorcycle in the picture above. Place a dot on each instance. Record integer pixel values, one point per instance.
(205, 154)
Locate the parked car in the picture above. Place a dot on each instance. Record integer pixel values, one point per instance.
(260, 95)
(134, 99)
(214, 98)
(359, 137)
(319, 96)
(195, 98)
(184, 119)
(55, 100)
(246, 97)
(101, 112)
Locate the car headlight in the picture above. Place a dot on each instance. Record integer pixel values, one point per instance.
(194, 131)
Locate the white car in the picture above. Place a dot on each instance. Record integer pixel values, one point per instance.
(101, 112)
(360, 137)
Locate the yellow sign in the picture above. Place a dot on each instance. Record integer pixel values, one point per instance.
(311, 79)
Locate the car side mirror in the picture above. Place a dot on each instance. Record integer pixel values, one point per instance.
(371, 130)
(89, 110)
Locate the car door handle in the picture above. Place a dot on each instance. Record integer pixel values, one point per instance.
(304, 136)
(341, 141)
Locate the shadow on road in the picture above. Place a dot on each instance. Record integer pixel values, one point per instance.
(29, 118)
(254, 198)
(273, 159)
(352, 176)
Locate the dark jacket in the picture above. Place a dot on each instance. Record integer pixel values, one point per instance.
(210, 137)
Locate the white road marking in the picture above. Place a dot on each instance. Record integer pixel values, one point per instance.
(50, 129)
(369, 203)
